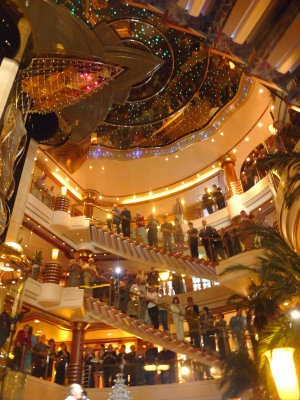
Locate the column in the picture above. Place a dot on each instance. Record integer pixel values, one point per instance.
(234, 203)
(75, 366)
(89, 198)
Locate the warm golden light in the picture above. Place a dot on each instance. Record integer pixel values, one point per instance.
(272, 130)
(15, 246)
(284, 372)
(55, 254)
(164, 276)
(163, 367)
(154, 210)
(65, 183)
(231, 65)
(5, 267)
(150, 367)
(172, 190)
(64, 191)
(108, 216)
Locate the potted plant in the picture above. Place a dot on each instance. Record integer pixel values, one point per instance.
(35, 264)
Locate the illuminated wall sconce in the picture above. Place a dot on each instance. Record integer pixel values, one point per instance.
(55, 254)
(64, 191)
(164, 276)
(284, 372)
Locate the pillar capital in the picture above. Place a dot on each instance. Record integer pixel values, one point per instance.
(227, 158)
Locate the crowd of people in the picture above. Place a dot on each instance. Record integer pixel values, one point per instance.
(38, 357)
(224, 243)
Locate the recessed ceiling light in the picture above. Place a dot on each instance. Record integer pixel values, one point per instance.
(214, 166)
(109, 334)
(91, 167)
(100, 197)
(39, 331)
(36, 321)
(35, 158)
(76, 188)
(57, 169)
(134, 196)
(221, 133)
(39, 226)
(176, 156)
(247, 139)
(234, 150)
(117, 199)
(54, 237)
(166, 158)
(81, 240)
(259, 209)
(259, 124)
(272, 108)
(167, 188)
(261, 91)
(212, 139)
(150, 193)
(103, 168)
(182, 182)
(64, 243)
(46, 159)
(105, 254)
(67, 179)
(38, 152)
(248, 159)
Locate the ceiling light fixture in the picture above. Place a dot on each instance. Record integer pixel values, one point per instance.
(176, 156)
(259, 124)
(247, 139)
(166, 159)
(212, 139)
(234, 150)
(261, 91)
(272, 108)
(221, 133)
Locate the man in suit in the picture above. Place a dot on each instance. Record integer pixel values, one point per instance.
(126, 218)
(206, 232)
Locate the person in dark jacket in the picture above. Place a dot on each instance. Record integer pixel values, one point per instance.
(126, 218)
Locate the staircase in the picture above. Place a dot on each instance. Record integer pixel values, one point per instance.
(150, 256)
(97, 311)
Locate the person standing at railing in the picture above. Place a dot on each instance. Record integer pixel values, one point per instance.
(178, 211)
(75, 266)
(89, 274)
(163, 311)
(126, 218)
(89, 367)
(152, 230)
(116, 218)
(218, 248)
(62, 361)
(167, 230)
(137, 305)
(131, 367)
(140, 230)
(218, 197)
(206, 233)
(152, 307)
(40, 351)
(23, 345)
(50, 359)
(151, 357)
(109, 365)
(193, 240)
(192, 318)
(238, 326)
(178, 236)
(222, 337)
(178, 317)
(207, 201)
(208, 334)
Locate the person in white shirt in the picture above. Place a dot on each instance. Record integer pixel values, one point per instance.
(152, 297)
(138, 288)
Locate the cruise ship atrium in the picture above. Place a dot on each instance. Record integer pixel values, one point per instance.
(149, 199)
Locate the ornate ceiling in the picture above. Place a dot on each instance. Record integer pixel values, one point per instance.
(179, 98)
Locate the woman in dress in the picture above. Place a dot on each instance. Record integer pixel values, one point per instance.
(177, 314)
(27, 364)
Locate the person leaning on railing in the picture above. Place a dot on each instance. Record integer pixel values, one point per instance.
(75, 266)
(62, 361)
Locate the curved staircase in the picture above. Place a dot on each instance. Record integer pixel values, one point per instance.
(97, 311)
(150, 256)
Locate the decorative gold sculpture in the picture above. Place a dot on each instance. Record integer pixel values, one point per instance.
(53, 83)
